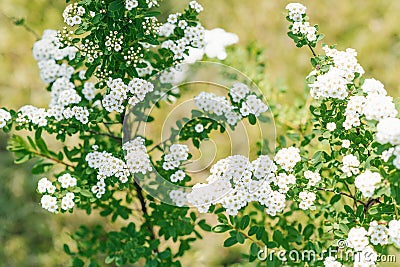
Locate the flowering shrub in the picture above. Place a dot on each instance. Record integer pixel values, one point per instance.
(333, 191)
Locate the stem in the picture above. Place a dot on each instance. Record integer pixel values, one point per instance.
(145, 212)
(50, 158)
(342, 193)
(18, 22)
(105, 134)
(312, 50)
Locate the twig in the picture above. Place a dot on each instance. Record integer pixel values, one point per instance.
(50, 158)
(20, 22)
(105, 134)
(145, 212)
(312, 50)
(342, 193)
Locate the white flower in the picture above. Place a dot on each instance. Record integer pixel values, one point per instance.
(357, 238)
(131, 4)
(216, 40)
(287, 158)
(331, 262)
(178, 176)
(199, 128)
(331, 126)
(49, 203)
(365, 258)
(296, 10)
(177, 154)
(67, 202)
(66, 180)
(44, 185)
(345, 143)
(137, 159)
(196, 6)
(178, 197)
(378, 107)
(329, 85)
(367, 182)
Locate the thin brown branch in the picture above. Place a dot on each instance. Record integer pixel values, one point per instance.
(21, 22)
(51, 158)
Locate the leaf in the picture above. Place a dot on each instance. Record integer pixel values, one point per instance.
(40, 167)
(308, 231)
(335, 199)
(116, 5)
(203, 225)
(244, 222)
(221, 228)
(230, 241)
(252, 119)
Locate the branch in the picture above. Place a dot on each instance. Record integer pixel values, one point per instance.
(52, 159)
(342, 193)
(312, 50)
(21, 22)
(105, 134)
(145, 212)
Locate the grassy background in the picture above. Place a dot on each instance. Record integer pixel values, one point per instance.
(31, 237)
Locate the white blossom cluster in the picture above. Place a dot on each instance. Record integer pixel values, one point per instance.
(235, 181)
(367, 182)
(313, 177)
(287, 158)
(360, 240)
(73, 14)
(31, 114)
(296, 11)
(136, 91)
(131, 4)
(88, 90)
(329, 85)
(388, 132)
(219, 105)
(136, 157)
(283, 181)
(172, 160)
(47, 51)
(376, 105)
(5, 116)
(196, 6)
(152, 3)
(106, 165)
(253, 105)
(350, 165)
(114, 41)
(50, 202)
(178, 197)
(79, 113)
(306, 200)
(304, 28)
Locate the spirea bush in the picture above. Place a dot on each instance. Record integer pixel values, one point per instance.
(329, 187)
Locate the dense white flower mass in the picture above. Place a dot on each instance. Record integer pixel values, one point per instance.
(178, 176)
(357, 238)
(388, 131)
(283, 181)
(218, 105)
(372, 86)
(88, 90)
(378, 107)
(177, 154)
(378, 233)
(313, 177)
(394, 232)
(329, 85)
(365, 258)
(331, 262)
(287, 158)
(73, 14)
(196, 6)
(5, 116)
(331, 126)
(253, 105)
(367, 182)
(306, 29)
(31, 114)
(354, 110)
(306, 200)
(350, 165)
(235, 181)
(137, 159)
(107, 165)
(136, 91)
(238, 92)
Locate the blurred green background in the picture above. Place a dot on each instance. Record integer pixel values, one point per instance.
(31, 237)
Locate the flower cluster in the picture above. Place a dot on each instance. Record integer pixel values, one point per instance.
(219, 105)
(49, 201)
(31, 114)
(5, 116)
(313, 177)
(350, 165)
(73, 14)
(306, 200)
(331, 262)
(173, 159)
(136, 91)
(296, 11)
(287, 158)
(367, 182)
(178, 197)
(114, 41)
(136, 156)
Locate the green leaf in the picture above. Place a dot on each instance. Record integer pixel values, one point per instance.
(203, 225)
(335, 199)
(230, 241)
(308, 231)
(221, 228)
(244, 222)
